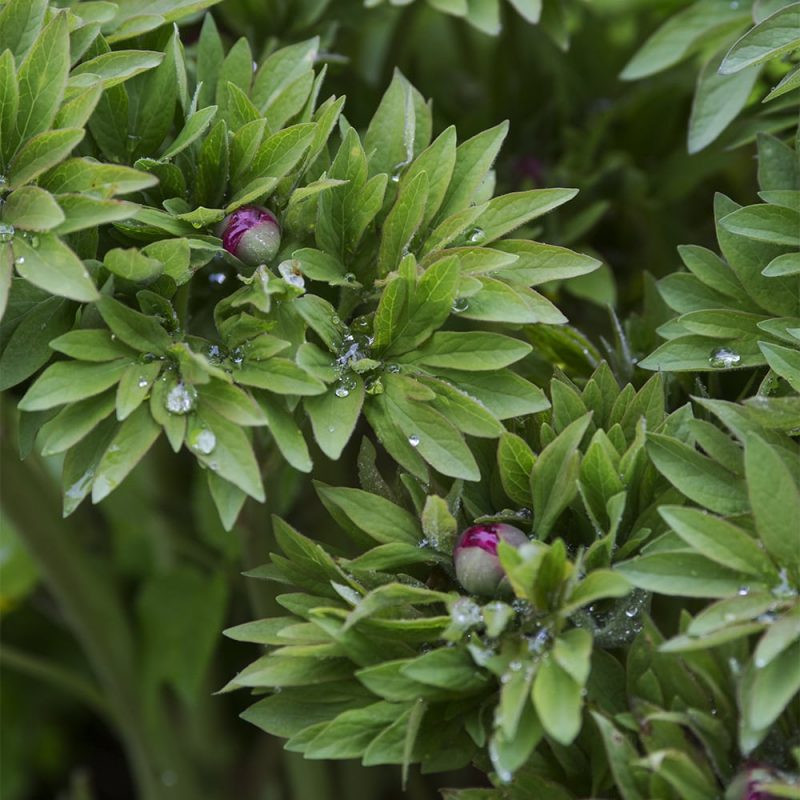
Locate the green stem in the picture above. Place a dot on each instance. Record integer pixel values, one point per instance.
(95, 614)
(57, 676)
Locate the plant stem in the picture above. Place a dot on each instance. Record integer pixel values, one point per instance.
(96, 616)
(61, 678)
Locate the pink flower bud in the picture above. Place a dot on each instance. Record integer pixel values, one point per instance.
(478, 568)
(746, 784)
(252, 234)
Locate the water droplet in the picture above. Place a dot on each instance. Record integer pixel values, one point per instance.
(476, 235)
(375, 386)
(465, 614)
(724, 358)
(181, 399)
(290, 272)
(341, 391)
(202, 441)
(34, 242)
(349, 277)
(6, 232)
(393, 368)
(743, 591)
(217, 278)
(142, 383)
(460, 304)
(20, 260)
(413, 440)
(331, 429)
(631, 612)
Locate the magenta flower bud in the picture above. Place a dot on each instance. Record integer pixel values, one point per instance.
(478, 568)
(252, 234)
(745, 786)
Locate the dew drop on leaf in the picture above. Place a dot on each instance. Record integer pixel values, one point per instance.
(724, 358)
(476, 235)
(6, 232)
(413, 440)
(181, 399)
(460, 304)
(202, 441)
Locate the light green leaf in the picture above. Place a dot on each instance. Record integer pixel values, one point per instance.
(68, 381)
(775, 500)
(42, 152)
(133, 439)
(52, 266)
(777, 34)
(33, 209)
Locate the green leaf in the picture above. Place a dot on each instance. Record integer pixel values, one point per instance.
(393, 596)
(430, 433)
(28, 349)
(554, 474)
(392, 132)
(683, 573)
(515, 460)
(91, 344)
(697, 476)
(118, 66)
(196, 125)
(134, 386)
(504, 393)
(765, 223)
(152, 98)
(404, 326)
(777, 34)
(74, 422)
(558, 701)
(380, 519)
(507, 212)
(333, 417)
(718, 540)
(281, 376)
(42, 152)
(402, 223)
(766, 691)
(68, 381)
(775, 500)
(282, 69)
(20, 24)
(42, 79)
(77, 175)
(538, 263)
(224, 448)
(139, 331)
(597, 585)
(9, 99)
(33, 209)
(292, 710)
(131, 265)
(134, 438)
(286, 433)
(785, 361)
(350, 733)
(52, 266)
(470, 351)
(681, 35)
(446, 668)
(718, 99)
(474, 159)
(621, 755)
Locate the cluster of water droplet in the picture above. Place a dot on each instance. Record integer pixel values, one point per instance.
(181, 398)
(6, 232)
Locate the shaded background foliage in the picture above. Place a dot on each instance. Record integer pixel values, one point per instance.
(157, 539)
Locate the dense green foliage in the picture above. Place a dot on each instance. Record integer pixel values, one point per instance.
(435, 344)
